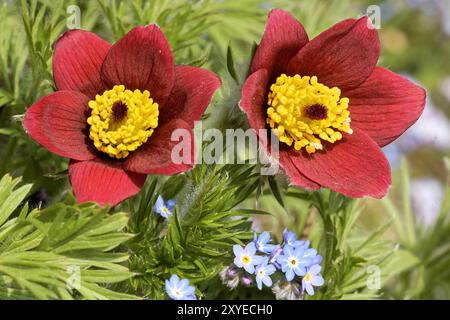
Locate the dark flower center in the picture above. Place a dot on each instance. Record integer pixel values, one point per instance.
(315, 112)
(119, 110)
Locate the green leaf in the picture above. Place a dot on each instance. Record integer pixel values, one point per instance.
(43, 251)
(10, 202)
(274, 187)
(400, 261)
(5, 98)
(230, 64)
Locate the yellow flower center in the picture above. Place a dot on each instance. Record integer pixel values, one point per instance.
(304, 112)
(307, 278)
(122, 120)
(245, 259)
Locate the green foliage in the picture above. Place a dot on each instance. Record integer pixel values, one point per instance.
(430, 244)
(61, 252)
(356, 265)
(194, 242)
(25, 76)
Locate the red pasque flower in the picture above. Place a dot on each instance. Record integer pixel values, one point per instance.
(115, 110)
(329, 103)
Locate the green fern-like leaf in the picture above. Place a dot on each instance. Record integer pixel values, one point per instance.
(61, 252)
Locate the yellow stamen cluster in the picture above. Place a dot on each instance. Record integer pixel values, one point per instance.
(119, 134)
(304, 112)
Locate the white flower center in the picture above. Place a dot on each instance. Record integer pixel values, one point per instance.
(293, 262)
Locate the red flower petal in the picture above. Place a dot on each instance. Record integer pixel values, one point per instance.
(355, 166)
(385, 105)
(77, 61)
(254, 97)
(297, 178)
(283, 37)
(342, 56)
(58, 122)
(191, 94)
(141, 60)
(155, 157)
(103, 182)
